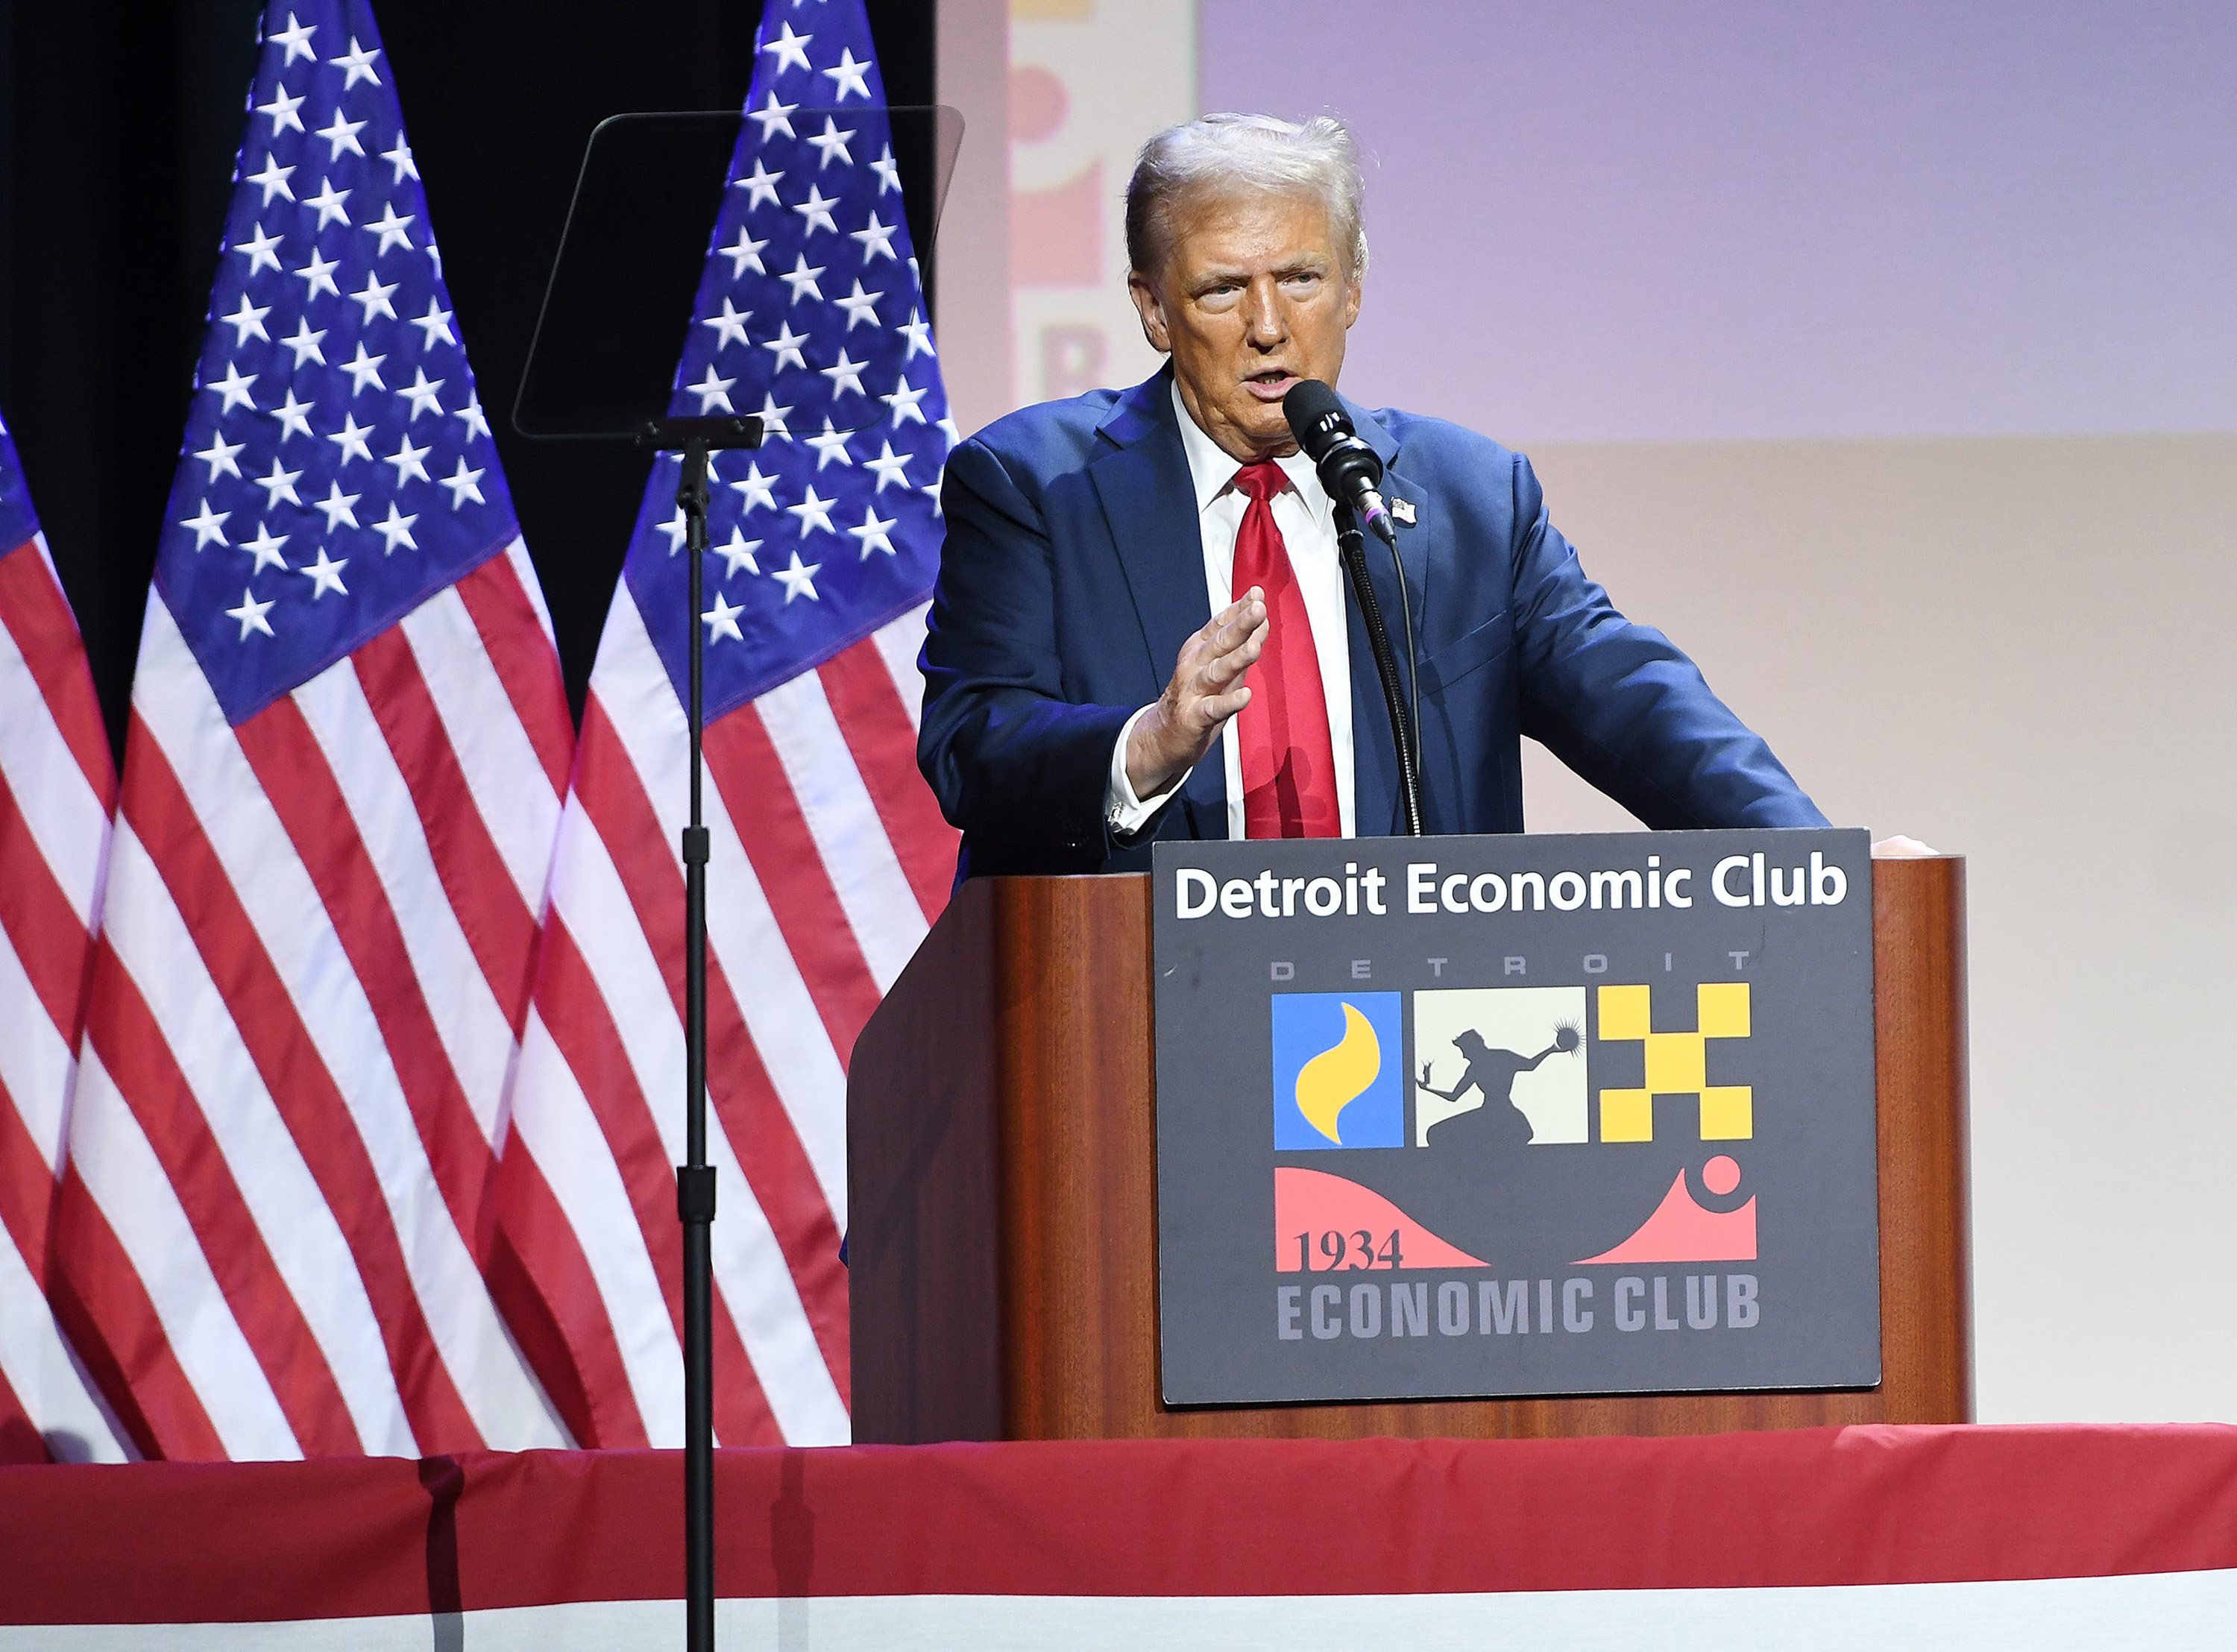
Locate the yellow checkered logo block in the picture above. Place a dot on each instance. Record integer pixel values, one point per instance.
(1625, 1012)
(1728, 1113)
(1677, 1063)
(1722, 1009)
(1626, 1115)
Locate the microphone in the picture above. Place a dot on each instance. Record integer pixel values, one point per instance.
(1349, 469)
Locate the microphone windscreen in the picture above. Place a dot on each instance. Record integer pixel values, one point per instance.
(1308, 406)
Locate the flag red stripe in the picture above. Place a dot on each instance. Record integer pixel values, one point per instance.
(292, 769)
(743, 762)
(130, 1045)
(587, 1038)
(496, 923)
(105, 1311)
(543, 1285)
(19, 1441)
(37, 615)
(302, 1088)
(27, 1189)
(867, 705)
(582, 1030)
(48, 937)
(512, 633)
(768, 1151)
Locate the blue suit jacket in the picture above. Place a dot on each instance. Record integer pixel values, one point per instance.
(1073, 572)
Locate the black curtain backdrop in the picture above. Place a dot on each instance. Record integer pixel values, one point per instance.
(118, 127)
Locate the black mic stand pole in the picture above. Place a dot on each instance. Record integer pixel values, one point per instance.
(1351, 550)
(695, 1177)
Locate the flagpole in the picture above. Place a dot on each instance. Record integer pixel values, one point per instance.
(695, 1177)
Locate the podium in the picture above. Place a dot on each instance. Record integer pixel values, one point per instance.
(1002, 1188)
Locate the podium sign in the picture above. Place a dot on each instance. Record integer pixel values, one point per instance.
(1486, 1116)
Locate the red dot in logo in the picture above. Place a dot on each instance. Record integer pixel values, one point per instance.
(1720, 1175)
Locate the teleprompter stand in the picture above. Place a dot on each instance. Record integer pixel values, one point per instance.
(695, 1178)
(602, 367)
(624, 291)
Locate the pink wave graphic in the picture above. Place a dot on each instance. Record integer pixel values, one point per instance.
(1313, 1202)
(1681, 1231)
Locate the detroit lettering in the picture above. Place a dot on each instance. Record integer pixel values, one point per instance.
(1737, 880)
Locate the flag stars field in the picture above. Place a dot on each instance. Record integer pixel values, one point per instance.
(830, 144)
(830, 446)
(738, 554)
(849, 75)
(760, 186)
(772, 117)
(813, 513)
(802, 279)
(304, 343)
(875, 533)
(295, 40)
(464, 484)
(208, 525)
(325, 575)
(723, 621)
(273, 178)
(815, 209)
(265, 548)
(340, 133)
(799, 579)
(757, 491)
(744, 253)
(374, 297)
(712, 392)
(319, 310)
(790, 49)
(251, 615)
(730, 326)
(876, 239)
(350, 439)
(799, 316)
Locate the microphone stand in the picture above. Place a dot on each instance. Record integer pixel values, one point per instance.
(695, 1177)
(1352, 551)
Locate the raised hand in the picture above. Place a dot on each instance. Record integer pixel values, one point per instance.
(1207, 690)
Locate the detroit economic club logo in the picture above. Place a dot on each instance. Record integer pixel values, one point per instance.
(1473, 1153)
(1564, 1116)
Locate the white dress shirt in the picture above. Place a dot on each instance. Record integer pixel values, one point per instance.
(1307, 519)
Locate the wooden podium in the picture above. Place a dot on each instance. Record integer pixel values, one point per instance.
(1003, 1185)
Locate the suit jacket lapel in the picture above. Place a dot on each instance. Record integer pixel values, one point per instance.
(1375, 753)
(1148, 502)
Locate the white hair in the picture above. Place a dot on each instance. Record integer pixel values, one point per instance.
(1225, 152)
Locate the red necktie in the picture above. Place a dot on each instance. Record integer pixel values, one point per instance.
(1289, 762)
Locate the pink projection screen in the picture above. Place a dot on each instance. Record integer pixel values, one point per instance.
(1611, 221)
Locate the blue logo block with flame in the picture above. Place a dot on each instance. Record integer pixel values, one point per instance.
(1339, 1061)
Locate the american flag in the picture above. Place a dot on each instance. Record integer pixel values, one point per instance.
(57, 787)
(348, 750)
(829, 856)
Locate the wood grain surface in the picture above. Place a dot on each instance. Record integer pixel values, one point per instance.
(1003, 1191)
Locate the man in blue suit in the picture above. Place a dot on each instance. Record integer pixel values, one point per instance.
(1140, 629)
